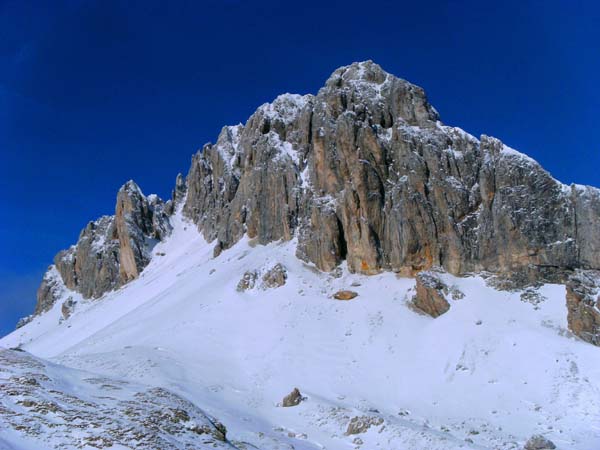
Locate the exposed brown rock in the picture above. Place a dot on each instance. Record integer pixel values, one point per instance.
(345, 295)
(362, 172)
(110, 251)
(247, 281)
(360, 424)
(274, 277)
(365, 172)
(292, 399)
(431, 294)
(67, 308)
(138, 222)
(583, 305)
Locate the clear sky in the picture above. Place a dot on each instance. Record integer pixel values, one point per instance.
(93, 93)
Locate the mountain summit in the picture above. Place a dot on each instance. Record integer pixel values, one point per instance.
(363, 172)
(341, 271)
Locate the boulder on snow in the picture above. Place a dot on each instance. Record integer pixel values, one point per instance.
(67, 308)
(345, 295)
(274, 277)
(292, 399)
(361, 424)
(539, 442)
(431, 294)
(248, 281)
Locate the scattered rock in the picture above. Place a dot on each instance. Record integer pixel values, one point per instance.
(247, 282)
(430, 297)
(67, 308)
(583, 305)
(274, 277)
(292, 399)
(539, 442)
(360, 424)
(345, 295)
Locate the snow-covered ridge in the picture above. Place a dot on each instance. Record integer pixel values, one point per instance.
(506, 368)
(285, 107)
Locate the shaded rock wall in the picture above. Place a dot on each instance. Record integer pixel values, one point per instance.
(110, 251)
(365, 172)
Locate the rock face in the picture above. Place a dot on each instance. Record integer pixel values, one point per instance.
(140, 223)
(110, 251)
(345, 295)
(583, 305)
(431, 294)
(365, 172)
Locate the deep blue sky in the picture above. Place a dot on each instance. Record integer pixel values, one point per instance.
(93, 93)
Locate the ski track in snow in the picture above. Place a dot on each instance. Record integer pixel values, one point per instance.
(486, 375)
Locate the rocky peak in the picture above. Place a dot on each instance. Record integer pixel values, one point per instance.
(140, 224)
(110, 251)
(364, 172)
(367, 90)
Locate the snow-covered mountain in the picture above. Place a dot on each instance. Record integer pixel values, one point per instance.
(423, 289)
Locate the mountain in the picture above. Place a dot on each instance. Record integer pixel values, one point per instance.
(424, 289)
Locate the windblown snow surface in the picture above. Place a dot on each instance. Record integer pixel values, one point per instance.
(488, 374)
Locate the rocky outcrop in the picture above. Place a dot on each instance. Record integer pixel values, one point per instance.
(432, 294)
(430, 297)
(140, 223)
(247, 281)
(110, 251)
(67, 308)
(274, 277)
(271, 278)
(91, 266)
(539, 442)
(583, 305)
(177, 196)
(365, 172)
(292, 399)
(345, 295)
(361, 424)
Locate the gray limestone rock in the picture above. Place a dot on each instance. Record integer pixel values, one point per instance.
(247, 281)
(583, 305)
(362, 172)
(360, 424)
(365, 172)
(274, 277)
(539, 442)
(110, 251)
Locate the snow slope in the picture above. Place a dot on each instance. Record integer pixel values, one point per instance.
(488, 374)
